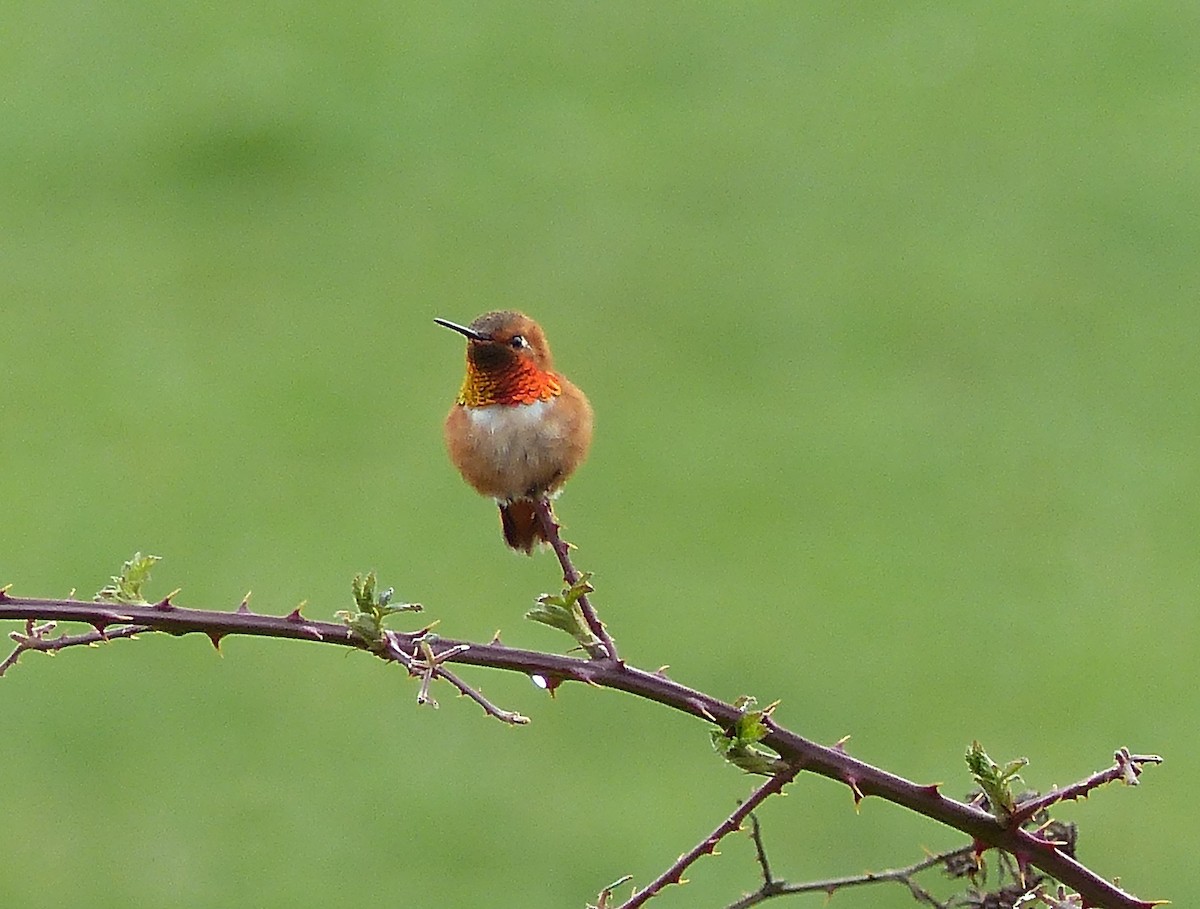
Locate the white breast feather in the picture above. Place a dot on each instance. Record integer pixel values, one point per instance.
(519, 436)
(501, 417)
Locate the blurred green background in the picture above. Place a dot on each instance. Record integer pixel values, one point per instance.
(888, 313)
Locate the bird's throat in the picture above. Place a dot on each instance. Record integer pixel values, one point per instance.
(517, 382)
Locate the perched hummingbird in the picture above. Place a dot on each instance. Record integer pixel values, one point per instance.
(518, 428)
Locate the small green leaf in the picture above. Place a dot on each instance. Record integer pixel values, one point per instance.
(371, 609)
(562, 611)
(739, 744)
(995, 781)
(126, 587)
(364, 591)
(607, 893)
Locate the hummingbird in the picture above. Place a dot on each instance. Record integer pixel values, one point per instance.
(518, 428)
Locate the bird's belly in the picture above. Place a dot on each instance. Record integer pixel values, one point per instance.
(509, 450)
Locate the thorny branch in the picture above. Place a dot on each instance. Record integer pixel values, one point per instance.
(34, 638)
(1011, 879)
(562, 549)
(124, 620)
(674, 874)
(773, 886)
(1128, 768)
(428, 666)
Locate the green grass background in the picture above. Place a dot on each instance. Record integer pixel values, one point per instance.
(889, 316)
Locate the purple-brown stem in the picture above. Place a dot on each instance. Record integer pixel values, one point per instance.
(772, 886)
(35, 639)
(760, 851)
(706, 846)
(431, 668)
(827, 761)
(562, 549)
(1128, 768)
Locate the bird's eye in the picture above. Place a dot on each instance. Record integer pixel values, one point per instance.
(519, 341)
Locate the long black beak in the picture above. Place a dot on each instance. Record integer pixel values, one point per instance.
(462, 330)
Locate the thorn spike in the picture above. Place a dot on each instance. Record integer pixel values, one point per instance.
(1022, 866)
(215, 637)
(244, 606)
(852, 782)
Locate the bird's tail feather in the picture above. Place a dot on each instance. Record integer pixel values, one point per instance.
(522, 529)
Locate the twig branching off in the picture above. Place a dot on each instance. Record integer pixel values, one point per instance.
(772, 886)
(429, 666)
(832, 761)
(34, 638)
(1127, 769)
(708, 845)
(760, 851)
(562, 549)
